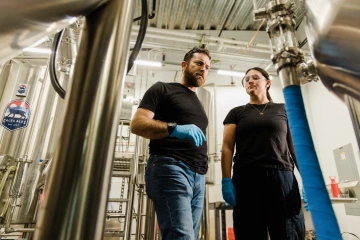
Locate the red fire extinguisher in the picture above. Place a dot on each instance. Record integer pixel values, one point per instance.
(334, 187)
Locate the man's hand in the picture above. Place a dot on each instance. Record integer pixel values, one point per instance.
(189, 131)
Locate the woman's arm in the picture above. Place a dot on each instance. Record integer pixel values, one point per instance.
(227, 150)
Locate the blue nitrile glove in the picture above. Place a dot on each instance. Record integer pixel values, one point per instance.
(306, 206)
(189, 131)
(228, 191)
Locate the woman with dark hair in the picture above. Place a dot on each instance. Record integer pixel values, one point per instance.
(263, 189)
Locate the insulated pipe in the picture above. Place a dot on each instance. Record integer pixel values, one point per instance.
(78, 185)
(322, 213)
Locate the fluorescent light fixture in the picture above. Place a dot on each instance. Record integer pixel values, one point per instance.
(37, 50)
(148, 63)
(231, 73)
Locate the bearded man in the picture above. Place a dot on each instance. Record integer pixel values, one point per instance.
(173, 118)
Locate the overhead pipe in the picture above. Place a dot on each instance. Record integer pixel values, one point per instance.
(287, 58)
(196, 41)
(77, 186)
(198, 36)
(226, 55)
(181, 36)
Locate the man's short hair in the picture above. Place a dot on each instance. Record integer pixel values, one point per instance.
(190, 53)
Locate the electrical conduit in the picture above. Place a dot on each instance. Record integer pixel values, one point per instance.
(322, 213)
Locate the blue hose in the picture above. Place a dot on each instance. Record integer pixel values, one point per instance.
(322, 213)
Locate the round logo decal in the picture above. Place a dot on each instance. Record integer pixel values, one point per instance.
(16, 115)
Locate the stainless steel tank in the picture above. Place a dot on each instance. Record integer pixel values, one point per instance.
(332, 29)
(22, 28)
(31, 111)
(29, 136)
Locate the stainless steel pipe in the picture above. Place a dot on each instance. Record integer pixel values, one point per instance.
(139, 212)
(131, 191)
(150, 220)
(77, 187)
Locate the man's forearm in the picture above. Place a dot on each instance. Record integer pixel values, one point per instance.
(149, 128)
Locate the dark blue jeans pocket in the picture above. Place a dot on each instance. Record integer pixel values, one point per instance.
(154, 162)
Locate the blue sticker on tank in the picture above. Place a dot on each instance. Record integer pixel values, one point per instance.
(16, 115)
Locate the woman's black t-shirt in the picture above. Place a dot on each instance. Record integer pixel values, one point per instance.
(260, 139)
(173, 102)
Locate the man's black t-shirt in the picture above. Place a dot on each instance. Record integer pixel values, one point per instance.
(173, 102)
(260, 139)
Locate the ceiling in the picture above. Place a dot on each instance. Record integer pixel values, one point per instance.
(226, 27)
(233, 15)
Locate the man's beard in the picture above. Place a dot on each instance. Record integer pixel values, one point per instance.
(192, 79)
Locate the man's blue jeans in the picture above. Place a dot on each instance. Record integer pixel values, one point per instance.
(178, 196)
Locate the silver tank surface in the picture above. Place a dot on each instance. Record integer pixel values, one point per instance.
(31, 143)
(22, 26)
(333, 32)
